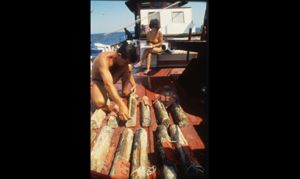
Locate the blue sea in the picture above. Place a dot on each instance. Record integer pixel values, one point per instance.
(108, 39)
(113, 38)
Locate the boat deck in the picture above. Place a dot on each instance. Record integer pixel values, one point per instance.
(162, 82)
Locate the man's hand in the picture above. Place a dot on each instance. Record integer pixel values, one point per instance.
(133, 88)
(123, 113)
(113, 107)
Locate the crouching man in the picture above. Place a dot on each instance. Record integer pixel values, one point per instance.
(108, 68)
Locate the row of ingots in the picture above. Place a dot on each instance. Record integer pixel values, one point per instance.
(131, 158)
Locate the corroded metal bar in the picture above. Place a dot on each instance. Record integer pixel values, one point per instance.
(96, 121)
(176, 135)
(139, 160)
(120, 167)
(145, 112)
(161, 113)
(112, 121)
(164, 140)
(132, 106)
(101, 148)
(191, 169)
(97, 118)
(169, 172)
(178, 114)
(93, 134)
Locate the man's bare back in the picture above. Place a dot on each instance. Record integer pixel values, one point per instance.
(106, 60)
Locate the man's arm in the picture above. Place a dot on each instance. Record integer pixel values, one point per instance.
(131, 78)
(108, 84)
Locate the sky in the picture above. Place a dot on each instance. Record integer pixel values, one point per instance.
(111, 16)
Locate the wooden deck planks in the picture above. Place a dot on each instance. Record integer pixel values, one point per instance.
(160, 84)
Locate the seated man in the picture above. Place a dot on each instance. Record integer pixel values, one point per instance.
(108, 68)
(154, 39)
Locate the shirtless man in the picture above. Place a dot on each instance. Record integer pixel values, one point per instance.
(107, 69)
(155, 39)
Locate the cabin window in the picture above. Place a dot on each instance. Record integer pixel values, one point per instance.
(153, 15)
(177, 17)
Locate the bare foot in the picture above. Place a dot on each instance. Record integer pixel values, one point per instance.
(146, 72)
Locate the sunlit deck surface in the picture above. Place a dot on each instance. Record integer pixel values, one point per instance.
(163, 83)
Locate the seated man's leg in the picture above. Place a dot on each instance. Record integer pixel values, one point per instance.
(156, 50)
(148, 62)
(144, 56)
(148, 56)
